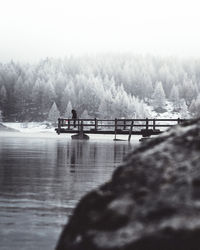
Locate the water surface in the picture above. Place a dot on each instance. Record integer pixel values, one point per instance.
(42, 177)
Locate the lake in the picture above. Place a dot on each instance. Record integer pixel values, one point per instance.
(42, 177)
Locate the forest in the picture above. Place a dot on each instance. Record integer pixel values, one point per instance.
(102, 86)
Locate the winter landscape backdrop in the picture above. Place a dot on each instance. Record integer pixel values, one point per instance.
(105, 86)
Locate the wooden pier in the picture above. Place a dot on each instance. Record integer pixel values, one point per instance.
(145, 127)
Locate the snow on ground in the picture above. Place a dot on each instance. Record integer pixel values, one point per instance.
(30, 127)
(169, 114)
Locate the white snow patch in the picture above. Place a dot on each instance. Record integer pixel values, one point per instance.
(30, 127)
(169, 114)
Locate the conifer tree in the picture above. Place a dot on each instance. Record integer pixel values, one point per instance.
(106, 108)
(1, 116)
(3, 97)
(85, 115)
(183, 109)
(195, 107)
(174, 97)
(53, 114)
(68, 94)
(159, 97)
(48, 96)
(20, 99)
(67, 113)
(121, 103)
(192, 107)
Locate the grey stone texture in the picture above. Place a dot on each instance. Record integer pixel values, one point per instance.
(152, 201)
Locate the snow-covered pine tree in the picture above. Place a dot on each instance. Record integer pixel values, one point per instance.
(141, 111)
(195, 107)
(174, 97)
(37, 101)
(132, 106)
(60, 83)
(68, 111)
(147, 88)
(166, 77)
(20, 99)
(85, 115)
(189, 90)
(183, 109)
(93, 95)
(9, 74)
(49, 96)
(136, 108)
(53, 114)
(159, 97)
(121, 103)
(3, 96)
(1, 116)
(67, 94)
(106, 107)
(192, 107)
(197, 113)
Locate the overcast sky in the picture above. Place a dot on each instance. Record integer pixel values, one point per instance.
(34, 29)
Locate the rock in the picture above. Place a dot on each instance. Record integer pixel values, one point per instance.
(3, 128)
(80, 136)
(145, 139)
(152, 201)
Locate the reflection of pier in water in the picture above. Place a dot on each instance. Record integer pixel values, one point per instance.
(79, 152)
(88, 163)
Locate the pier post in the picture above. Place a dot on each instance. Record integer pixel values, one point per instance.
(82, 126)
(95, 124)
(59, 126)
(147, 123)
(124, 124)
(130, 131)
(78, 125)
(80, 135)
(115, 128)
(154, 124)
(68, 124)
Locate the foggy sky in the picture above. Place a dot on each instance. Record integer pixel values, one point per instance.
(34, 29)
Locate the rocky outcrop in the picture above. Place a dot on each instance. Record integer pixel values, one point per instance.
(151, 203)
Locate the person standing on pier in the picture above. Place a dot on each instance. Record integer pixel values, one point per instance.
(74, 116)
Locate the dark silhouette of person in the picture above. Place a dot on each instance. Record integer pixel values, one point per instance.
(74, 116)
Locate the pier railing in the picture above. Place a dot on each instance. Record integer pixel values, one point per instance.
(116, 126)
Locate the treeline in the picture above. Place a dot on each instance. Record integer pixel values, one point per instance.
(102, 86)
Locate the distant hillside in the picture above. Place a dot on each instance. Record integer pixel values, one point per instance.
(106, 86)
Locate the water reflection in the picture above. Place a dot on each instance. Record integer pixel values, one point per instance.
(42, 179)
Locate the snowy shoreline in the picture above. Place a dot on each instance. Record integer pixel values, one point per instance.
(29, 127)
(40, 129)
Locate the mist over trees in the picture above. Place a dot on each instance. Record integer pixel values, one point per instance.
(105, 86)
